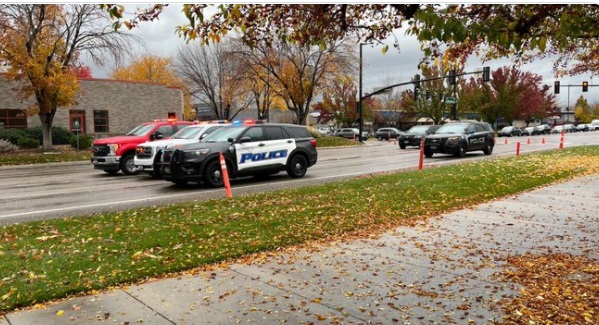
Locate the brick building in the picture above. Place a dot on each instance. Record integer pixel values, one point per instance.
(104, 107)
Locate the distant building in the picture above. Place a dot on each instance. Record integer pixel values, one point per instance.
(104, 107)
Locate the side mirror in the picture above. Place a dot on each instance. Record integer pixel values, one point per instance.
(152, 137)
(244, 140)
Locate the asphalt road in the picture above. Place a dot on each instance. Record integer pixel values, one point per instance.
(57, 190)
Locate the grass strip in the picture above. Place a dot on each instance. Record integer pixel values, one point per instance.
(40, 261)
(13, 159)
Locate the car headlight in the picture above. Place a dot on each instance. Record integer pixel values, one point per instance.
(453, 139)
(195, 153)
(113, 148)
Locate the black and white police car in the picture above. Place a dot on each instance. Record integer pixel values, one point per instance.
(249, 149)
(460, 137)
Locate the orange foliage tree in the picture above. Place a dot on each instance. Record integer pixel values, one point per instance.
(41, 44)
(156, 69)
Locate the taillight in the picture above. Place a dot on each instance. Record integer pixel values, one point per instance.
(313, 142)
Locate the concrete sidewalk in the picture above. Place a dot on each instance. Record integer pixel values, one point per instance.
(439, 271)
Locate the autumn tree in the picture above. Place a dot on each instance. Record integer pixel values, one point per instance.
(155, 69)
(521, 31)
(339, 102)
(42, 43)
(215, 76)
(297, 72)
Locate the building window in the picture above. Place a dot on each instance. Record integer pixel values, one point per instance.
(100, 121)
(13, 118)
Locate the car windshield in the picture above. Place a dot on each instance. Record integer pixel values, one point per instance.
(419, 129)
(141, 130)
(187, 133)
(225, 133)
(452, 129)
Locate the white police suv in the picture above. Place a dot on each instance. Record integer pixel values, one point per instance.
(249, 149)
(145, 153)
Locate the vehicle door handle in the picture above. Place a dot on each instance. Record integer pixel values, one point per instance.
(261, 145)
(289, 141)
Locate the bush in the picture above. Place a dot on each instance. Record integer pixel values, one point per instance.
(85, 142)
(28, 143)
(12, 135)
(34, 133)
(61, 135)
(6, 146)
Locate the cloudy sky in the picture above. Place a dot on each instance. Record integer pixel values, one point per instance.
(378, 69)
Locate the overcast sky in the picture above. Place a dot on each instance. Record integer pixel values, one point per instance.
(378, 69)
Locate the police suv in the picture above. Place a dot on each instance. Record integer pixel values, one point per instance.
(249, 150)
(145, 153)
(459, 138)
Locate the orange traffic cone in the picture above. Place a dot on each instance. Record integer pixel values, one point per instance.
(505, 142)
(528, 141)
(543, 142)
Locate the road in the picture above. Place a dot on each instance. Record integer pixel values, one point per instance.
(58, 190)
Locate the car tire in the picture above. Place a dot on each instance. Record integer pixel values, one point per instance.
(488, 149)
(461, 152)
(213, 176)
(427, 153)
(297, 166)
(128, 165)
(402, 146)
(380, 138)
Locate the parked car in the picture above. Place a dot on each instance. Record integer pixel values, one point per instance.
(509, 131)
(542, 129)
(146, 152)
(582, 127)
(529, 131)
(415, 135)
(459, 138)
(351, 133)
(557, 129)
(569, 128)
(248, 149)
(387, 133)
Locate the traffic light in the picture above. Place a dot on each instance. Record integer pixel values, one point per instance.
(556, 87)
(416, 92)
(585, 86)
(416, 81)
(486, 74)
(451, 78)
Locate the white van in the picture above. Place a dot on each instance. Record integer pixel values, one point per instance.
(594, 126)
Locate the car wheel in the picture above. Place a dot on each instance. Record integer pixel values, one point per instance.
(213, 175)
(128, 165)
(297, 166)
(380, 138)
(402, 146)
(461, 151)
(428, 153)
(488, 149)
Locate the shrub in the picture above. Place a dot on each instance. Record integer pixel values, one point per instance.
(61, 135)
(28, 143)
(6, 146)
(85, 142)
(34, 133)
(12, 135)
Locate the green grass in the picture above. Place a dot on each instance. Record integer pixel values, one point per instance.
(46, 260)
(38, 157)
(329, 141)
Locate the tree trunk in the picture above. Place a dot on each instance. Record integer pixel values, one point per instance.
(46, 119)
